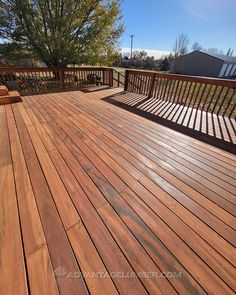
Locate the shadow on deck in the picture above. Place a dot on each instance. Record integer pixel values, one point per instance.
(96, 200)
(208, 127)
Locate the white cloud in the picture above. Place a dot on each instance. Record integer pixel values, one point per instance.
(150, 52)
(204, 9)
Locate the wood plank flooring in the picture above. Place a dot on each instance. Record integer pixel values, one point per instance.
(95, 199)
(215, 127)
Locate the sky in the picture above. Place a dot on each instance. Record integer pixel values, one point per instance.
(156, 24)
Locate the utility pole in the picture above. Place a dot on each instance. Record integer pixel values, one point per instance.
(131, 50)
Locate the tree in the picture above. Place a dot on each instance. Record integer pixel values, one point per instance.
(196, 46)
(13, 52)
(142, 57)
(143, 54)
(181, 45)
(165, 62)
(149, 62)
(62, 32)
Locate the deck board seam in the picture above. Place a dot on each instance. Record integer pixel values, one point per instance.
(183, 136)
(36, 104)
(44, 177)
(17, 206)
(103, 221)
(81, 222)
(155, 143)
(104, 225)
(149, 158)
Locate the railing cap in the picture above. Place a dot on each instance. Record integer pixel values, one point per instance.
(197, 79)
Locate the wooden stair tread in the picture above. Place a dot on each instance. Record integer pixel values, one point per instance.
(3, 90)
(12, 97)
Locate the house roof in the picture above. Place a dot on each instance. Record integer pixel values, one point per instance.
(225, 58)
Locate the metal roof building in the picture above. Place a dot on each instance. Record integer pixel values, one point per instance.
(201, 63)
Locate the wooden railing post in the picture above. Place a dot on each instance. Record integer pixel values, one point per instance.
(106, 76)
(126, 80)
(103, 77)
(206, 94)
(152, 84)
(118, 78)
(61, 78)
(110, 77)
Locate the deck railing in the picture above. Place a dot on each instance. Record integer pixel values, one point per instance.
(211, 95)
(118, 79)
(38, 80)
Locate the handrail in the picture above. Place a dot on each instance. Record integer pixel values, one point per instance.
(217, 96)
(213, 95)
(200, 79)
(42, 79)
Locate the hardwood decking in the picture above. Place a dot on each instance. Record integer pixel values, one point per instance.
(218, 130)
(87, 187)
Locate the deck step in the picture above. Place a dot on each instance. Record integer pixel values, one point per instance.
(3, 90)
(11, 97)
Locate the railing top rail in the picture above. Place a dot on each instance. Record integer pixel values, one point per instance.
(49, 69)
(206, 80)
(144, 73)
(43, 79)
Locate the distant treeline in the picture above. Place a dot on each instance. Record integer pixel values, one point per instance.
(141, 60)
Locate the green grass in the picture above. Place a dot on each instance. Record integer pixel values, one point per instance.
(205, 97)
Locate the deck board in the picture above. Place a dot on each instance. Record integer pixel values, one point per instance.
(32, 230)
(155, 156)
(204, 123)
(12, 266)
(107, 191)
(60, 250)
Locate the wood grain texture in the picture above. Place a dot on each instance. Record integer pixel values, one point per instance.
(12, 265)
(90, 262)
(33, 235)
(59, 247)
(101, 190)
(41, 275)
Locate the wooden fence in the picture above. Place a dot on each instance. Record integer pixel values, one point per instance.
(39, 80)
(217, 96)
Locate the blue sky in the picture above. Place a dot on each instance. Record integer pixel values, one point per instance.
(157, 23)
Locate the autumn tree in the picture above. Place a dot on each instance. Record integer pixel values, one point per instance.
(62, 32)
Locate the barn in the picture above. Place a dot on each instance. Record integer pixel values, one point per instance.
(201, 63)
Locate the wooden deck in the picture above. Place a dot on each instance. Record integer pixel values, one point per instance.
(210, 127)
(89, 188)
